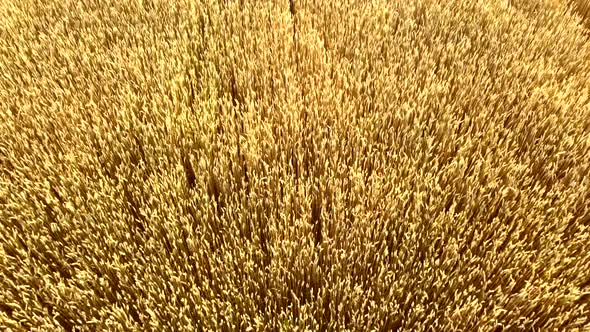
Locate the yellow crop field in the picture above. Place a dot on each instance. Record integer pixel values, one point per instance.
(294, 165)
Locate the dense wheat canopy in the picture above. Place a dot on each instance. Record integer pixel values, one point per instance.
(296, 165)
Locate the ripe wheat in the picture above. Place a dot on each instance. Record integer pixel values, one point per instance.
(294, 165)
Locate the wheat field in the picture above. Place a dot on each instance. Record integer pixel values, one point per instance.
(294, 165)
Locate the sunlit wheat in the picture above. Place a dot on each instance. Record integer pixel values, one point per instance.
(294, 165)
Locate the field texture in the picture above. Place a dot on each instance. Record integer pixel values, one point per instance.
(294, 165)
